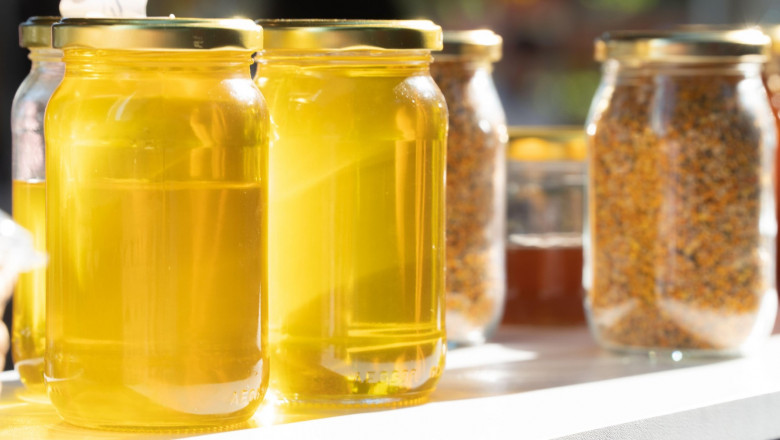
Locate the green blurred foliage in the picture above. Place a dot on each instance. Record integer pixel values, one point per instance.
(621, 6)
(565, 95)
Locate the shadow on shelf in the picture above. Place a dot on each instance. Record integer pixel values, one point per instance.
(524, 359)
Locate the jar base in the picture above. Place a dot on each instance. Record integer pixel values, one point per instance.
(463, 333)
(118, 408)
(35, 393)
(174, 428)
(350, 401)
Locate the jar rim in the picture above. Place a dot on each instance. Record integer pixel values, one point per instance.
(337, 34)
(475, 43)
(157, 33)
(36, 31)
(685, 46)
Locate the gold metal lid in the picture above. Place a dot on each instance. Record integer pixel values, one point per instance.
(351, 34)
(36, 32)
(158, 33)
(480, 43)
(681, 46)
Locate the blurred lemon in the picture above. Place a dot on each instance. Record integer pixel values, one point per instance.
(546, 143)
(577, 149)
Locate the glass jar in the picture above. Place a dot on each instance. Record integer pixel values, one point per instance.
(772, 83)
(28, 187)
(546, 204)
(476, 198)
(356, 211)
(156, 224)
(17, 255)
(680, 256)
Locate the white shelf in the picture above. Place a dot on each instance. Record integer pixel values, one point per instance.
(529, 384)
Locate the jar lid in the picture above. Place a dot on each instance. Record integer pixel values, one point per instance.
(158, 33)
(747, 45)
(351, 34)
(36, 31)
(480, 43)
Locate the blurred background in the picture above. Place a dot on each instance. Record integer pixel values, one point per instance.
(547, 75)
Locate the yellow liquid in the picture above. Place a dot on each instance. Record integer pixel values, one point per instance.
(157, 230)
(356, 233)
(29, 324)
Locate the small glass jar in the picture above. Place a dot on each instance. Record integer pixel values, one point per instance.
(546, 204)
(772, 82)
(156, 224)
(680, 252)
(17, 255)
(476, 170)
(356, 211)
(29, 193)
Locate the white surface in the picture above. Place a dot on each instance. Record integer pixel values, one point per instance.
(546, 384)
(9, 376)
(559, 384)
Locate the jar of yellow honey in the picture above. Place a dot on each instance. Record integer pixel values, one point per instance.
(356, 229)
(29, 180)
(156, 224)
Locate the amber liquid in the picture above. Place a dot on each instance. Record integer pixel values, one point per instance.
(356, 233)
(29, 314)
(544, 285)
(156, 211)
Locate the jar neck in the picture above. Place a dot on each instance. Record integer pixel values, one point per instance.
(42, 57)
(102, 61)
(613, 68)
(406, 59)
(463, 64)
